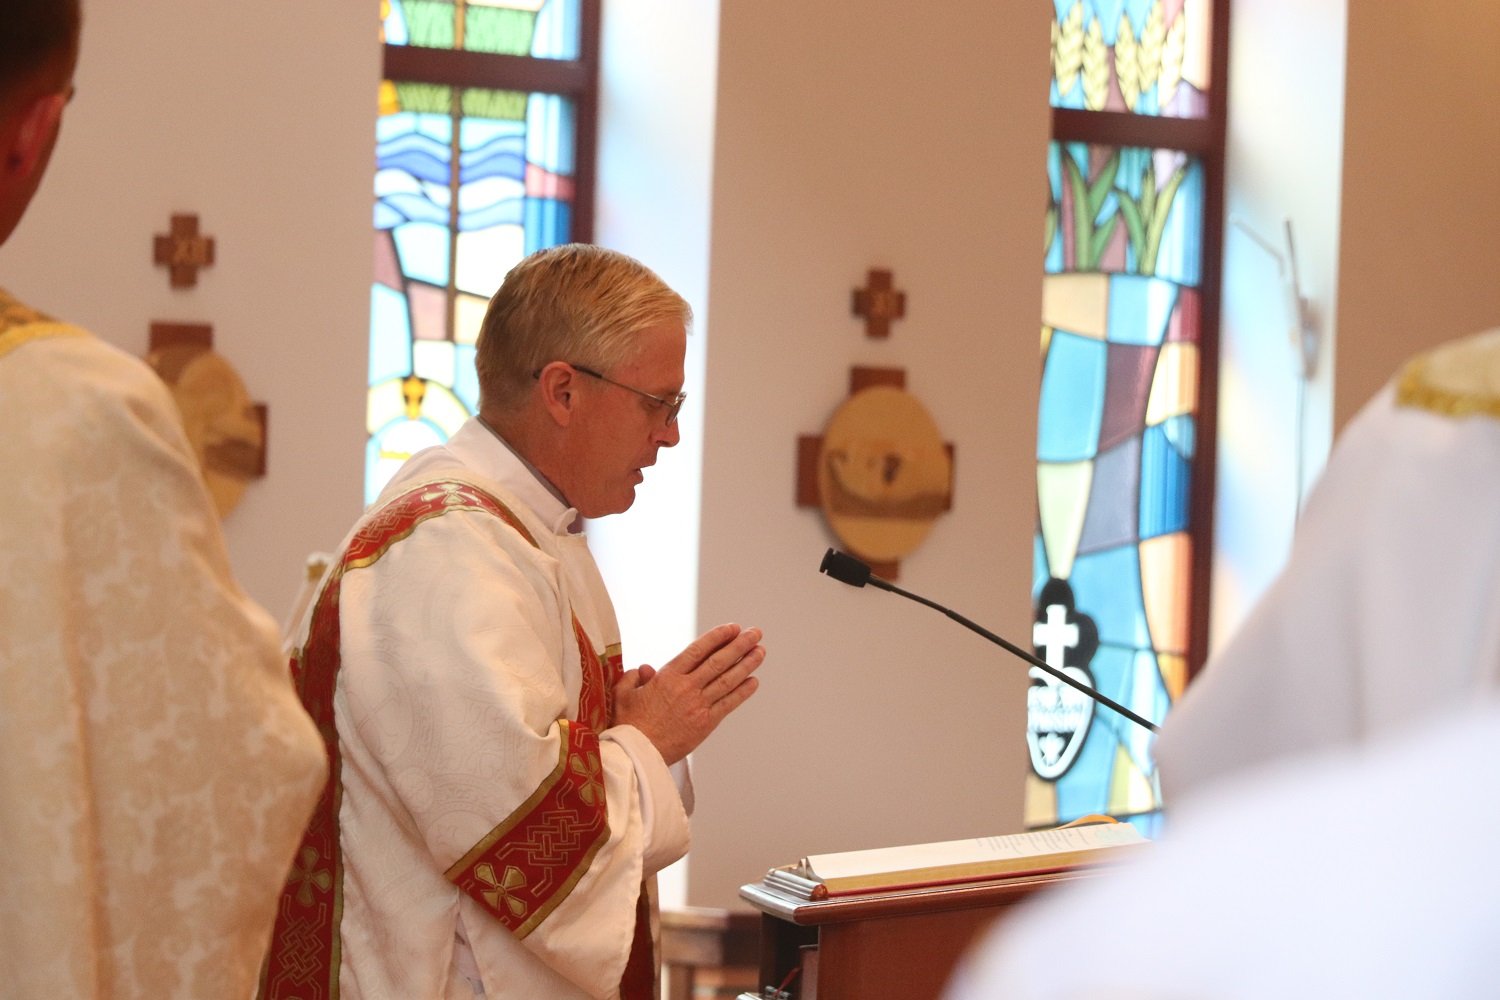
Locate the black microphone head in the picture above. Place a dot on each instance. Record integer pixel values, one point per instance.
(845, 568)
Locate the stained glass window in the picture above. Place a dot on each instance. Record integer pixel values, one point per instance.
(469, 179)
(545, 29)
(1130, 278)
(1145, 57)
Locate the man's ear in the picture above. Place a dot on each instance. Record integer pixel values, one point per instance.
(558, 384)
(32, 134)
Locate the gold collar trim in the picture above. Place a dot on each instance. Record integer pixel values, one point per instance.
(1460, 379)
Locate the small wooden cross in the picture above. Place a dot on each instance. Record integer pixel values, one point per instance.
(184, 251)
(879, 303)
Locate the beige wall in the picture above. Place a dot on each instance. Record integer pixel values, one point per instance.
(852, 136)
(1421, 191)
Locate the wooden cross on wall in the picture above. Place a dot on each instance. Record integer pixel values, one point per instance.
(183, 251)
(879, 303)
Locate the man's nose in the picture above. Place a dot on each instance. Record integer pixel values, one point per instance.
(669, 435)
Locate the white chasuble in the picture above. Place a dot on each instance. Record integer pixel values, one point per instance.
(1388, 610)
(487, 831)
(156, 769)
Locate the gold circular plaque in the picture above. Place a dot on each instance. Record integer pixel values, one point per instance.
(222, 424)
(884, 474)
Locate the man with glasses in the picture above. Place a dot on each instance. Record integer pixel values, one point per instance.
(156, 769)
(503, 792)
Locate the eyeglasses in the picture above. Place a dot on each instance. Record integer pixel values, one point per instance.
(670, 403)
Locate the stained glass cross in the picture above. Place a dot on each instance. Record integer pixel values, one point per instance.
(1055, 636)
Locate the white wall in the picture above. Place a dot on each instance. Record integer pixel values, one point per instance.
(655, 168)
(1282, 166)
(852, 136)
(259, 119)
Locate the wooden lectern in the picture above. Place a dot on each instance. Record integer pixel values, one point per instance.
(879, 944)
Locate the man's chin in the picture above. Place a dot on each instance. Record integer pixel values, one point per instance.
(616, 505)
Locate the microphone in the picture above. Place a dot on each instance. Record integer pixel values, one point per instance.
(847, 569)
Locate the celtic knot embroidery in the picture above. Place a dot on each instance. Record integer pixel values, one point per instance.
(503, 888)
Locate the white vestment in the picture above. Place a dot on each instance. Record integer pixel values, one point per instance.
(1367, 871)
(156, 769)
(1389, 607)
(457, 702)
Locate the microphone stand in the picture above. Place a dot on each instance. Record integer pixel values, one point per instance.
(847, 569)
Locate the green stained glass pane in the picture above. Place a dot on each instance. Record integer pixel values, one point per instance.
(429, 97)
(499, 29)
(1147, 57)
(430, 23)
(509, 105)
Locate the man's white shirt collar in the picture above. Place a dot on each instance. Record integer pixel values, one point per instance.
(485, 451)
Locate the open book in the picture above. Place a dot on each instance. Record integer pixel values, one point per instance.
(886, 869)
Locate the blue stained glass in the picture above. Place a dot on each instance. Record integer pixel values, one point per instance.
(389, 182)
(1166, 482)
(1144, 691)
(1139, 309)
(422, 249)
(387, 217)
(499, 156)
(558, 27)
(466, 380)
(390, 335)
(1182, 433)
(550, 128)
(1041, 571)
(1181, 256)
(547, 222)
(395, 24)
(1079, 798)
(506, 213)
(1106, 584)
(1112, 668)
(1072, 398)
(416, 209)
(416, 156)
(1111, 517)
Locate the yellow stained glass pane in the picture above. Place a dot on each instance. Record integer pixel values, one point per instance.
(1130, 791)
(1041, 802)
(1062, 501)
(1166, 561)
(1174, 387)
(1078, 303)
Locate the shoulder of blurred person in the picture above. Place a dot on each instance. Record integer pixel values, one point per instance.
(1306, 878)
(1388, 608)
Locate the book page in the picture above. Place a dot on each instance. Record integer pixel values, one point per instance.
(1039, 843)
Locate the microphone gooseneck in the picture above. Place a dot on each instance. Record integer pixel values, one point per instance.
(847, 569)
